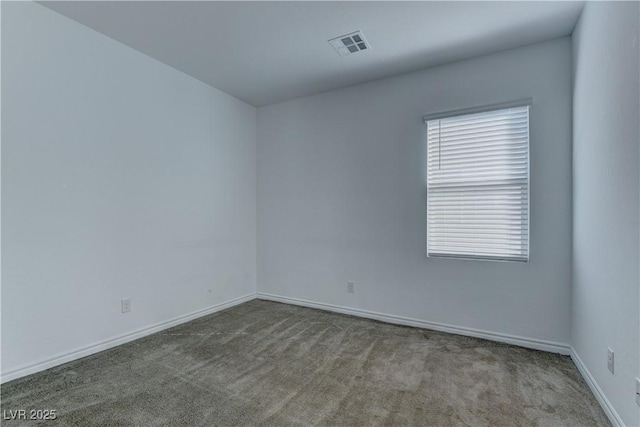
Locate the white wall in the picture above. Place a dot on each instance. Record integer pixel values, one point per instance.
(121, 177)
(606, 185)
(341, 197)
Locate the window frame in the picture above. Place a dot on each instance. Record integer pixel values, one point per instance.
(525, 102)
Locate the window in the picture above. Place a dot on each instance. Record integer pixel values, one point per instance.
(478, 183)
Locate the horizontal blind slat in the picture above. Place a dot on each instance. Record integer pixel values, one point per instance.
(471, 160)
(461, 136)
(518, 168)
(471, 131)
(460, 182)
(487, 145)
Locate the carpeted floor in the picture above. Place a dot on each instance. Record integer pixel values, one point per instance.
(264, 363)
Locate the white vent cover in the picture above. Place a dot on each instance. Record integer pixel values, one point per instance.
(350, 43)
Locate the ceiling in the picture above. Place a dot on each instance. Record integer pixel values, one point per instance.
(265, 52)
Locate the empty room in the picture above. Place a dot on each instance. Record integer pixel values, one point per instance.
(331, 213)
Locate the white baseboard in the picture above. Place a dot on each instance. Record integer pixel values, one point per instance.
(78, 353)
(550, 346)
(607, 407)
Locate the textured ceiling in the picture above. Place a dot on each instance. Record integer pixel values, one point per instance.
(267, 52)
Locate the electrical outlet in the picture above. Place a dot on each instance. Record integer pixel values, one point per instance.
(351, 287)
(638, 391)
(610, 360)
(125, 305)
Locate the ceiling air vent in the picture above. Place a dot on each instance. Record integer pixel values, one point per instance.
(350, 43)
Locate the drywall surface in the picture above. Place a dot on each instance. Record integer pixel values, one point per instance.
(606, 185)
(342, 195)
(121, 178)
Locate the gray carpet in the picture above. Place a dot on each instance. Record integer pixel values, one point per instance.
(264, 363)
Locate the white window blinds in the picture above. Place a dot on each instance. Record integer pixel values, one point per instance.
(478, 185)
